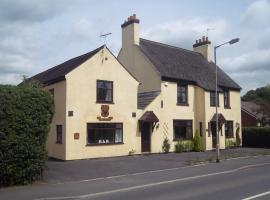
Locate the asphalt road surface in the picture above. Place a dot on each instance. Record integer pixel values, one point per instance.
(244, 179)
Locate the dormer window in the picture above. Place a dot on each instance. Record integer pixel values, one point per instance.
(182, 94)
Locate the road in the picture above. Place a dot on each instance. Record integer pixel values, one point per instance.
(244, 178)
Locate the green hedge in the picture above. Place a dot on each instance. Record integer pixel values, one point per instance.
(256, 137)
(184, 146)
(25, 117)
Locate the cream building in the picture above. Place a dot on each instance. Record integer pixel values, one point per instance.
(178, 86)
(106, 106)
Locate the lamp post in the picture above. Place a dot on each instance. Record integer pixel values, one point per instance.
(215, 57)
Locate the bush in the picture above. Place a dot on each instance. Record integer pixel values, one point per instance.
(197, 142)
(256, 137)
(230, 143)
(25, 114)
(184, 146)
(166, 145)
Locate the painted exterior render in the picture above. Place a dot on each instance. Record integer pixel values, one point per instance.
(107, 106)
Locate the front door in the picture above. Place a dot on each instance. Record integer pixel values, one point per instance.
(145, 137)
(214, 134)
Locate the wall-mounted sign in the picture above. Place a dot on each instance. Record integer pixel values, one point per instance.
(76, 136)
(105, 113)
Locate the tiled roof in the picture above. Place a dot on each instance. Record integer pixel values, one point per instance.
(58, 72)
(181, 64)
(145, 98)
(251, 108)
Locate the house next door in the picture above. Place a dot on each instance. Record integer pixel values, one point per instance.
(214, 134)
(145, 137)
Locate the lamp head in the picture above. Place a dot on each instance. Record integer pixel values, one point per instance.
(234, 41)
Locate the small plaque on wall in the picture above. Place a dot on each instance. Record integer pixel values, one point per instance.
(76, 136)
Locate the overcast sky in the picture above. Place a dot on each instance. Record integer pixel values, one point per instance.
(38, 34)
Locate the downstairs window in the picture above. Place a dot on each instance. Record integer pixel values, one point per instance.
(182, 129)
(104, 133)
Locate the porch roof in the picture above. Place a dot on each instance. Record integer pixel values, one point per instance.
(221, 118)
(149, 116)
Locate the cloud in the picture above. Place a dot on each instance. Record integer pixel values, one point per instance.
(257, 14)
(183, 32)
(30, 10)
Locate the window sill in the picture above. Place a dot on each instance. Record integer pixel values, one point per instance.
(230, 137)
(182, 104)
(227, 107)
(58, 143)
(214, 106)
(104, 102)
(104, 144)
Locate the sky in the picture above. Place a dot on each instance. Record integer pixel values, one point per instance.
(38, 34)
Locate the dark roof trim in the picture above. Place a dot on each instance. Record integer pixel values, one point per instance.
(130, 22)
(202, 43)
(164, 78)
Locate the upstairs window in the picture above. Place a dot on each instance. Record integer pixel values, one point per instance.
(213, 99)
(59, 133)
(182, 129)
(182, 94)
(229, 129)
(226, 99)
(104, 91)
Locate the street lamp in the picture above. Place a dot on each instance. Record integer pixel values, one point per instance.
(215, 57)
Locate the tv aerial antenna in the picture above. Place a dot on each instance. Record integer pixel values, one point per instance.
(104, 36)
(207, 31)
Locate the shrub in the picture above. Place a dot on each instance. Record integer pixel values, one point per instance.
(256, 137)
(197, 142)
(230, 143)
(25, 114)
(166, 145)
(184, 146)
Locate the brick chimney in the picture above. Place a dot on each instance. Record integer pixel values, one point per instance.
(203, 46)
(130, 31)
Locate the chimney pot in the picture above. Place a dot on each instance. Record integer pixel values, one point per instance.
(196, 41)
(206, 38)
(200, 40)
(134, 16)
(203, 38)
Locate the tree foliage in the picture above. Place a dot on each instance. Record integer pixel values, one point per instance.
(25, 117)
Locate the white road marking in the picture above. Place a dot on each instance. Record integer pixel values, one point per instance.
(152, 184)
(151, 171)
(256, 196)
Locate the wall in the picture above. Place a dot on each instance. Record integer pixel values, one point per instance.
(81, 99)
(168, 113)
(58, 150)
(233, 114)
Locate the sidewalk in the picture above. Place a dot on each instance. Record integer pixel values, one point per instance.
(65, 171)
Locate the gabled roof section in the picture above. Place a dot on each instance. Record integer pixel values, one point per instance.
(252, 109)
(175, 63)
(58, 72)
(145, 98)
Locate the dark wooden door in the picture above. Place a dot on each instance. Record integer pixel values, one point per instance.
(145, 138)
(214, 134)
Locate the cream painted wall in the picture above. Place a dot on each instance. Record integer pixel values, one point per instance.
(204, 50)
(233, 114)
(58, 150)
(136, 62)
(170, 111)
(81, 99)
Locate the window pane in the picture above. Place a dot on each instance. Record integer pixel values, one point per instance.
(102, 133)
(104, 91)
(183, 129)
(108, 95)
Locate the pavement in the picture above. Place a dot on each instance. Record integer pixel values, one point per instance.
(65, 171)
(242, 178)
